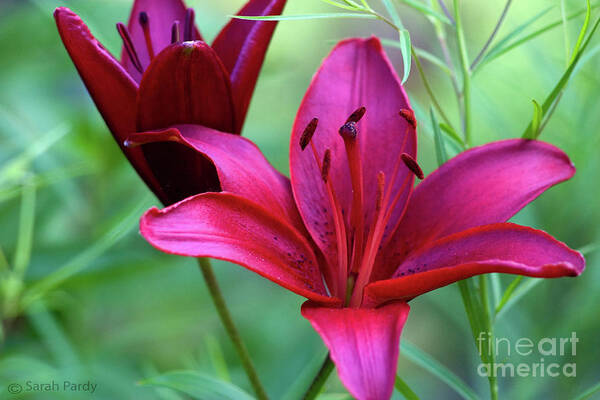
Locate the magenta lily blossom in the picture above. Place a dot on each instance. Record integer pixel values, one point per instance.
(349, 232)
(168, 75)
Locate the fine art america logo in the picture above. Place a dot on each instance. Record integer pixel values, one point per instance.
(51, 386)
(548, 354)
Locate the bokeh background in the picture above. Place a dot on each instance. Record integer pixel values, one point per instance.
(98, 303)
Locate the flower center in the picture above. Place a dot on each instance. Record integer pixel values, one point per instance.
(357, 245)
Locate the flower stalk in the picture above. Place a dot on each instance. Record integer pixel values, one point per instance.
(230, 328)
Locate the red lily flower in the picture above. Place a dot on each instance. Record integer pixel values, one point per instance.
(168, 75)
(348, 232)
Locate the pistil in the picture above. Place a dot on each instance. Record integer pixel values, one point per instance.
(175, 34)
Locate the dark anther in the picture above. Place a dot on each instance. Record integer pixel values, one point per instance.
(175, 35)
(411, 164)
(308, 133)
(409, 116)
(143, 18)
(326, 165)
(356, 115)
(188, 28)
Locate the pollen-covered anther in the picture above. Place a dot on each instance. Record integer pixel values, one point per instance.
(409, 116)
(412, 165)
(348, 130)
(356, 115)
(326, 165)
(308, 133)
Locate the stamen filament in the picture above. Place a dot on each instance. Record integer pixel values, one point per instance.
(340, 229)
(129, 48)
(145, 23)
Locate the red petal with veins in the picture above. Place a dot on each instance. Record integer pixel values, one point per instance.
(356, 73)
(161, 15)
(503, 247)
(241, 167)
(185, 84)
(242, 46)
(228, 227)
(364, 345)
(111, 88)
(484, 185)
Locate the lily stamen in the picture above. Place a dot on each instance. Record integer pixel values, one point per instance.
(145, 24)
(189, 25)
(175, 34)
(129, 48)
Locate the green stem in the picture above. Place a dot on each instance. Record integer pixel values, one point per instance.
(487, 321)
(234, 336)
(466, 72)
(319, 380)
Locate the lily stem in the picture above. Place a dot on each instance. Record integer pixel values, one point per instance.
(319, 380)
(466, 74)
(230, 328)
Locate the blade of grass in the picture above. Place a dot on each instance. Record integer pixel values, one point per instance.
(340, 5)
(554, 95)
(508, 293)
(588, 393)
(534, 130)
(490, 39)
(404, 389)
(523, 289)
(426, 10)
(495, 53)
(582, 32)
(566, 40)
(197, 386)
(301, 17)
(217, 358)
(424, 54)
(86, 257)
(440, 147)
(25, 235)
(393, 13)
(434, 367)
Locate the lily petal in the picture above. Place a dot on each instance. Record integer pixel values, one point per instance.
(109, 85)
(357, 73)
(364, 345)
(185, 84)
(484, 185)
(242, 46)
(503, 247)
(228, 227)
(241, 167)
(161, 16)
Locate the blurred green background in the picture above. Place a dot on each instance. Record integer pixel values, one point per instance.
(115, 311)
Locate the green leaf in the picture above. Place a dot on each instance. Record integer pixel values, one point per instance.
(508, 293)
(588, 393)
(447, 129)
(440, 148)
(25, 235)
(554, 95)
(581, 37)
(405, 49)
(518, 295)
(392, 12)
(425, 9)
(404, 389)
(534, 129)
(340, 5)
(502, 48)
(302, 17)
(428, 363)
(198, 386)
